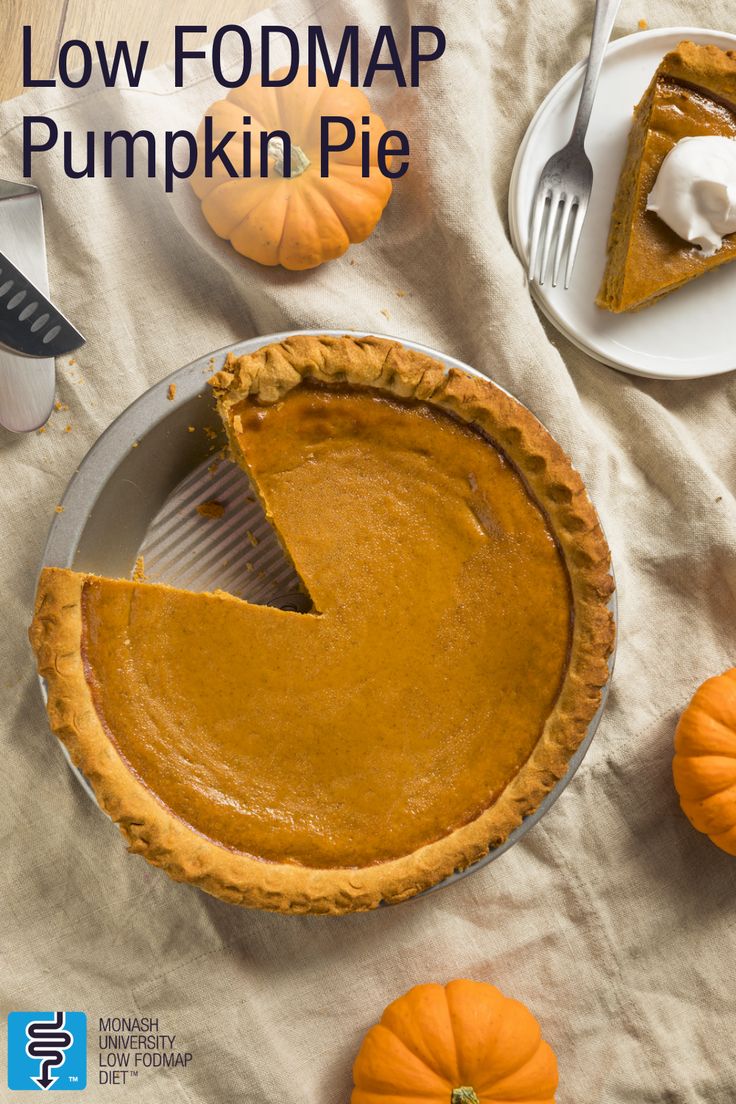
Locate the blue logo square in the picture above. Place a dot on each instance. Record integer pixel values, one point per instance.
(47, 1050)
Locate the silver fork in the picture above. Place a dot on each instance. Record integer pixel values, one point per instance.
(563, 192)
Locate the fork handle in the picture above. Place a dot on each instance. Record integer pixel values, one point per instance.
(603, 20)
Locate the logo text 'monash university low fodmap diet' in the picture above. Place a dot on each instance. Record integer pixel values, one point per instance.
(47, 1050)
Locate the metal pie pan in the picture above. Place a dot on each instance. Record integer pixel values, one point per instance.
(136, 494)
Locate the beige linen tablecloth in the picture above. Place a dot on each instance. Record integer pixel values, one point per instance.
(613, 919)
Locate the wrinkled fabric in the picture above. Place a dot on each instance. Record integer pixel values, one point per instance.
(612, 919)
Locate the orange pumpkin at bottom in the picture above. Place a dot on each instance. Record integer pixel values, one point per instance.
(704, 766)
(460, 1043)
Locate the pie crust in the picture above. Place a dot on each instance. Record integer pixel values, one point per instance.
(378, 367)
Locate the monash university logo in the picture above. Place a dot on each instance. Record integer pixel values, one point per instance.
(47, 1050)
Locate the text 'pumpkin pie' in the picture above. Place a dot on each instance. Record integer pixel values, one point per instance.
(449, 666)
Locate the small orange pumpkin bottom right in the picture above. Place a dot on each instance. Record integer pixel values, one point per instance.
(460, 1043)
(704, 765)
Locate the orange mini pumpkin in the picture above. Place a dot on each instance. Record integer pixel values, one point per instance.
(460, 1043)
(704, 766)
(302, 220)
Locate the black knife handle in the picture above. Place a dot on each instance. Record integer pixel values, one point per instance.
(29, 323)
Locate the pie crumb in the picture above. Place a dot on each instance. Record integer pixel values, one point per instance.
(252, 538)
(135, 444)
(212, 468)
(642, 24)
(139, 570)
(171, 393)
(211, 508)
(59, 509)
(67, 429)
(42, 429)
(385, 313)
(191, 429)
(58, 405)
(400, 293)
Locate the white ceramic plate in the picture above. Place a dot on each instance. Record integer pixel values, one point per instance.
(685, 336)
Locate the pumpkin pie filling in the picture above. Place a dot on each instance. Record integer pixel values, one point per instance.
(312, 738)
(448, 666)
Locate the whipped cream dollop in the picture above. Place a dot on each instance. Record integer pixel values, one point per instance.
(695, 191)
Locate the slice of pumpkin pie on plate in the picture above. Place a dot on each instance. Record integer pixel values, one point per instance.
(691, 96)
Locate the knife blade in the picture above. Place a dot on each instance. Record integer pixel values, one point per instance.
(30, 324)
(27, 386)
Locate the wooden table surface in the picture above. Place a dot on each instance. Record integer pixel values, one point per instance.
(56, 21)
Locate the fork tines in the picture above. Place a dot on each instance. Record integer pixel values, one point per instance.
(558, 213)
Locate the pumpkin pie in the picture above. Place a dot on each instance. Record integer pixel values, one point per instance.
(449, 664)
(692, 94)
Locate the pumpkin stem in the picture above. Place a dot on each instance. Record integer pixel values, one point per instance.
(464, 1095)
(299, 160)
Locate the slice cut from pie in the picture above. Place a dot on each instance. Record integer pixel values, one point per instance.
(692, 93)
(449, 666)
